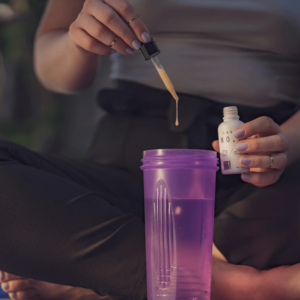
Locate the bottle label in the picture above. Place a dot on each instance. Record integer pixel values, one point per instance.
(229, 154)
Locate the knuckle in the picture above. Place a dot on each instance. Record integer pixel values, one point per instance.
(108, 18)
(72, 28)
(88, 4)
(89, 45)
(99, 31)
(126, 9)
(254, 146)
(127, 36)
(80, 16)
(281, 160)
(255, 162)
(267, 123)
(280, 142)
(258, 179)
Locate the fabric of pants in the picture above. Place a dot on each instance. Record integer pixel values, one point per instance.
(73, 223)
(81, 223)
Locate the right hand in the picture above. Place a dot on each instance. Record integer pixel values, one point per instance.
(101, 21)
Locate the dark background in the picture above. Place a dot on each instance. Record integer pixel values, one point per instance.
(29, 114)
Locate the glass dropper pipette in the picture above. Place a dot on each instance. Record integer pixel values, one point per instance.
(150, 51)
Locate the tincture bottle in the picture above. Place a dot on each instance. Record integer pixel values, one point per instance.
(229, 155)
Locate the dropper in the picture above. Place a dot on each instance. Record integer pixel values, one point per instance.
(150, 51)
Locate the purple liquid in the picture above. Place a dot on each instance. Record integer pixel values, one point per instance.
(179, 247)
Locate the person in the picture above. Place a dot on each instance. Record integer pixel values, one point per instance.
(85, 219)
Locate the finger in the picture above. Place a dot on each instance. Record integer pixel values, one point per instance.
(216, 146)
(274, 143)
(7, 276)
(262, 179)
(23, 295)
(127, 12)
(263, 126)
(87, 43)
(264, 161)
(107, 16)
(16, 285)
(104, 35)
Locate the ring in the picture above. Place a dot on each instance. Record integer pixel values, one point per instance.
(113, 42)
(272, 160)
(133, 19)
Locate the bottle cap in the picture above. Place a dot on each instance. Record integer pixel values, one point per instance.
(149, 50)
(230, 112)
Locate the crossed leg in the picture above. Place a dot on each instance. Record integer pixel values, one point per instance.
(29, 289)
(72, 223)
(260, 227)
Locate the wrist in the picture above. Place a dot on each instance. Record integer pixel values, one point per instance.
(61, 66)
(291, 132)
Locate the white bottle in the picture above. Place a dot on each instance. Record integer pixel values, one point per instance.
(228, 153)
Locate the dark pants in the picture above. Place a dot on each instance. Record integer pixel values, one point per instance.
(81, 223)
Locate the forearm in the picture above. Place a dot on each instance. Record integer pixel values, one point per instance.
(291, 129)
(235, 282)
(60, 65)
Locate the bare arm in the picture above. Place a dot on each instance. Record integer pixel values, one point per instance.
(59, 64)
(236, 282)
(74, 33)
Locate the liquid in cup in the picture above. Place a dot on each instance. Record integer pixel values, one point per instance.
(179, 187)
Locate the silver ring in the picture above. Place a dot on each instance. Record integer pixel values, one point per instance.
(272, 161)
(113, 42)
(133, 19)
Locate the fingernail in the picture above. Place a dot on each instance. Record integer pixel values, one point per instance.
(246, 177)
(14, 295)
(239, 133)
(241, 147)
(1, 275)
(129, 50)
(136, 44)
(5, 286)
(145, 37)
(113, 51)
(246, 161)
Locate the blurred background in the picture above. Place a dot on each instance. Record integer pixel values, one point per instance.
(29, 114)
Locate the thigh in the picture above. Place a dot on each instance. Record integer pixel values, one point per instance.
(260, 227)
(119, 186)
(71, 223)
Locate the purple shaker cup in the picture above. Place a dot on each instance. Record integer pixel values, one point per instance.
(179, 189)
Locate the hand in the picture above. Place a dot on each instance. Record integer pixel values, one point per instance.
(260, 141)
(101, 21)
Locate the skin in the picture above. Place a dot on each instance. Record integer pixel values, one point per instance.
(68, 48)
(24, 288)
(263, 138)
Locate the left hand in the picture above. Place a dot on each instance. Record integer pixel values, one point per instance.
(264, 148)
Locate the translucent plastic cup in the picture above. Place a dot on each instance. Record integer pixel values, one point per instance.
(179, 188)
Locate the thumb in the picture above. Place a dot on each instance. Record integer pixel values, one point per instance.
(216, 146)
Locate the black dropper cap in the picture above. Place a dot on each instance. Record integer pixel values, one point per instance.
(149, 50)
